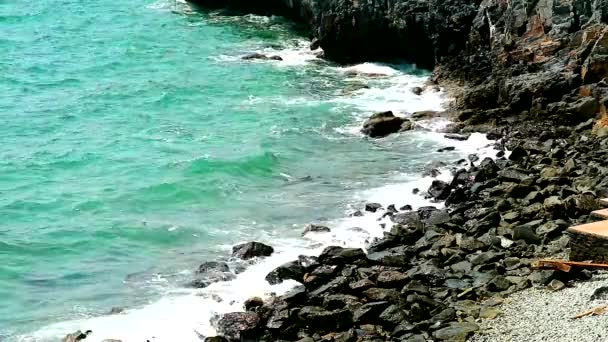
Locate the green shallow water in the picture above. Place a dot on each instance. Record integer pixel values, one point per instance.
(136, 143)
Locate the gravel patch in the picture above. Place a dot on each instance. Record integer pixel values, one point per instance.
(535, 315)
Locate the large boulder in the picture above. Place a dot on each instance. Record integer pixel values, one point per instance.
(252, 249)
(383, 124)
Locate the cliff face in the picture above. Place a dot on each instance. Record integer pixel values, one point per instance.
(360, 30)
(527, 58)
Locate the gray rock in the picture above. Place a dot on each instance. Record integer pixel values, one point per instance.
(456, 331)
(527, 234)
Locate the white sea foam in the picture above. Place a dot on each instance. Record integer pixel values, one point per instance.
(182, 314)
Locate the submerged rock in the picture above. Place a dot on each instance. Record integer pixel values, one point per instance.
(262, 57)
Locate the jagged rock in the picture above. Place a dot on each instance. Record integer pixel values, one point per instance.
(439, 190)
(251, 249)
(291, 270)
(238, 325)
(487, 170)
(369, 312)
(335, 255)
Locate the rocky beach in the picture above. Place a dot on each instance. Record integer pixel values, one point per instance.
(529, 75)
(303, 170)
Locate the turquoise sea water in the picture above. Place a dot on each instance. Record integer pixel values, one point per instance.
(136, 143)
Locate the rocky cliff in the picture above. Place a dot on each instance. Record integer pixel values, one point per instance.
(532, 59)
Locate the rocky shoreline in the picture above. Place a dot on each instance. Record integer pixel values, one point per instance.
(438, 271)
(533, 79)
(532, 76)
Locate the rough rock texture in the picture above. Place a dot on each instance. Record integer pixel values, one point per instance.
(436, 272)
(536, 60)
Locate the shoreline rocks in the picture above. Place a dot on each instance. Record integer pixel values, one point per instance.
(434, 272)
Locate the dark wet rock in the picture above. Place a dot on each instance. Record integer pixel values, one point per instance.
(261, 56)
(319, 276)
(238, 325)
(213, 266)
(373, 207)
(392, 315)
(417, 90)
(251, 249)
(446, 149)
(439, 190)
(252, 303)
(335, 255)
(487, 170)
(382, 124)
(297, 295)
(369, 312)
(322, 320)
(315, 228)
(291, 270)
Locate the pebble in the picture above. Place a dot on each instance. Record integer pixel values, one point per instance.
(541, 315)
